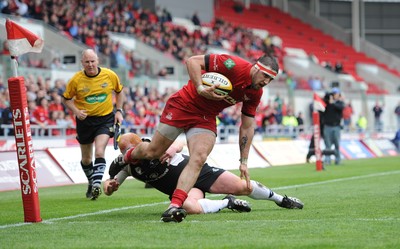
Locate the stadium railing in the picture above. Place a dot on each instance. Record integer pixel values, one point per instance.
(224, 131)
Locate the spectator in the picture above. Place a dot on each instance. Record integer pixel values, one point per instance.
(74, 29)
(22, 8)
(278, 114)
(377, 110)
(269, 116)
(5, 112)
(339, 67)
(63, 121)
(332, 119)
(238, 6)
(56, 64)
(41, 114)
(300, 121)
(195, 19)
(327, 65)
(315, 83)
(290, 122)
(347, 114)
(362, 123)
(53, 122)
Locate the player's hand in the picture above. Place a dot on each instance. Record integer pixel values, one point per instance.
(118, 118)
(81, 114)
(244, 173)
(119, 159)
(169, 153)
(110, 186)
(208, 93)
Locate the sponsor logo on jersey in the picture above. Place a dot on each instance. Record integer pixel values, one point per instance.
(104, 85)
(85, 89)
(230, 100)
(138, 170)
(229, 63)
(215, 64)
(96, 98)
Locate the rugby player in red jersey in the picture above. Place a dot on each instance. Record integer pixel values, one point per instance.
(193, 110)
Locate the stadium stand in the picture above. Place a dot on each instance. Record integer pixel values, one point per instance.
(297, 34)
(177, 38)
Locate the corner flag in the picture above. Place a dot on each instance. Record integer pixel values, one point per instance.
(21, 40)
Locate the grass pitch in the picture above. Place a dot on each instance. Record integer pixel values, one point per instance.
(355, 205)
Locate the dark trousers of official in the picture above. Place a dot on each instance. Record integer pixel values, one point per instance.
(332, 137)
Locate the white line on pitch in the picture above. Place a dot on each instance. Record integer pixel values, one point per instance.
(49, 221)
(338, 180)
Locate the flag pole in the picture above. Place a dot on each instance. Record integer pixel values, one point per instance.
(317, 137)
(318, 105)
(20, 41)
(14, 66)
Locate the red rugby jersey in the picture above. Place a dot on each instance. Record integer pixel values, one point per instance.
(237, 70)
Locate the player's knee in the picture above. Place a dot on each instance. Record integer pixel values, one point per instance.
(198, 160)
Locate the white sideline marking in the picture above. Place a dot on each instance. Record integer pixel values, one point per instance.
(338, 180)
(50, 221)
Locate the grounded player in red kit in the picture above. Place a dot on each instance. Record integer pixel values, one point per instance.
(193, 110)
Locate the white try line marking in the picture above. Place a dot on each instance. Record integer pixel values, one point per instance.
(338, 180)
(50, 221)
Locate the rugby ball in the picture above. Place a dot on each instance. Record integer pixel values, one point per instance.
(211, 78)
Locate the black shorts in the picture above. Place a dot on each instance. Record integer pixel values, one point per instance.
(208, 175)
(91, 127)
(167, 184)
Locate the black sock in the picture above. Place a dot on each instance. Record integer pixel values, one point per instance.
(88, 169)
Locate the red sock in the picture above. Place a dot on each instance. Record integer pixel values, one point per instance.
(128, 158)
(178, 197)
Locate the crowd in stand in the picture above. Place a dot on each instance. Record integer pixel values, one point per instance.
(89, 22)
(142, 109)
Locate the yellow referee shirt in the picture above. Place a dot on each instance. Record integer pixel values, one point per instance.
(93, 94)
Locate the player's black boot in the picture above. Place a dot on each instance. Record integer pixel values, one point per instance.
(174, 214)
(237, 204)
(291, 203)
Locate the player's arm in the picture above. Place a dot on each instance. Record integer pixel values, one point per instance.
(119, 101)
(194, 66)
(246, 134)
(69, 103)
(118, 173)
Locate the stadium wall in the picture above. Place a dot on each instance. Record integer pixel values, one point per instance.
(60, 165)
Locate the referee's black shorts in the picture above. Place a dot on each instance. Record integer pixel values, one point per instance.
(92, 126)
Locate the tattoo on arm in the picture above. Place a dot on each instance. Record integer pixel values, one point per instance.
(243, 142)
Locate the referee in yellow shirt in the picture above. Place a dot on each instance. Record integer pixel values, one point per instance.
(89, 95)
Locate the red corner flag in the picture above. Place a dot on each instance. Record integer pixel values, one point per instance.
(21, 40)
(319, 104)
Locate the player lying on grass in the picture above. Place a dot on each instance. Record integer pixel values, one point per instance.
(163, 175)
